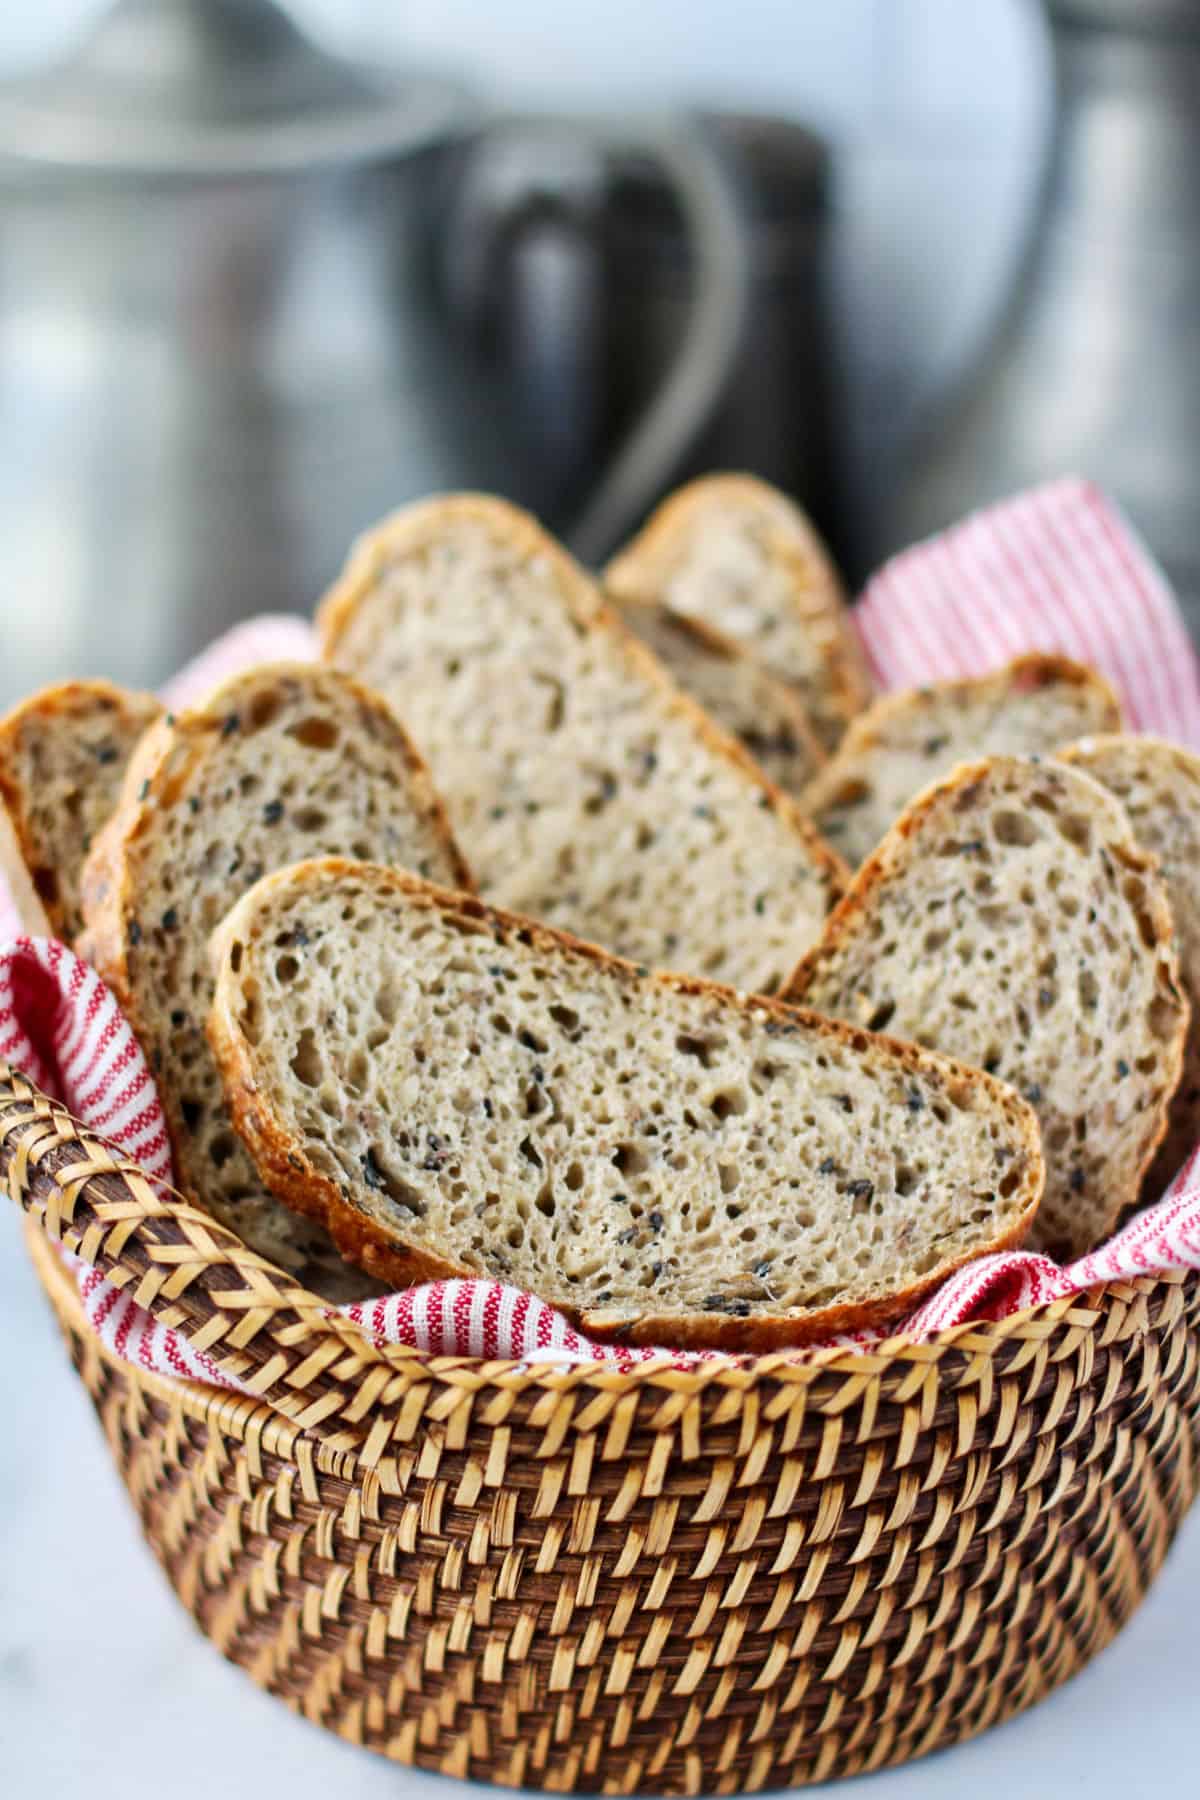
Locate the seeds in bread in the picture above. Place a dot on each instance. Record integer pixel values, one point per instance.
(906, 740)
(283, 762)
(740, 556)
(584, 787)
(458, 1091)
(63, 754)
(1158, 784)
(1009, 919)
(763, 714)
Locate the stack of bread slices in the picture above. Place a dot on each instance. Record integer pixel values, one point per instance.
(607, 937)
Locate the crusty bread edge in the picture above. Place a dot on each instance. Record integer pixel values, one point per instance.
(14, 873)
(61, 697)
(109, 890)
(294, 1180)
(1179, 1132)
(889, 859)
(1080, 750)
(728, 650)
(631, 572)
(417, 524)
(1041, 667)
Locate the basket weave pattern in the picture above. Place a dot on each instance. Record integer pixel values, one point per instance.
(745, 1575)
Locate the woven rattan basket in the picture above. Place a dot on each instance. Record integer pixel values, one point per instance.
(753, 1574)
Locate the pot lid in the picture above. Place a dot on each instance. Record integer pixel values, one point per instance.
(1141, 17)
(215, 87)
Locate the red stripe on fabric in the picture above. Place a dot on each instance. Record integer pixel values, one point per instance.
(1085, 591)
(491, 1319)
(1172, 650)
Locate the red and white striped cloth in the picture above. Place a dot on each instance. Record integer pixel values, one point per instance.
(1054, 569)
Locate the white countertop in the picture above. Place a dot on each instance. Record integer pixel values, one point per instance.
(107, 1688)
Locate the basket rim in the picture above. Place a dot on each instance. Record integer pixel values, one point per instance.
(246, 1414)
(289, 1349)
(1082, 1309)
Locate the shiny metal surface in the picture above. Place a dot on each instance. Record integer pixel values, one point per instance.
(222, 360)
(776, 416)
(1096, 368)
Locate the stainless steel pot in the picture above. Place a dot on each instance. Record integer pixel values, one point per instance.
(224, 349)
(1095, 368)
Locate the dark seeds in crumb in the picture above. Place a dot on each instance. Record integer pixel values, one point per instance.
(106, 754)
(272, 812)
(1033, 1092)
(170, 919)
(230, 725)
(725, 1303)
(144, 791)
(1077, 1181)
(135, 932)
(861, 1190)
(828, 1167)
(178, 1017)
(1122, 1067)
(192, 1112)
(372, 1173)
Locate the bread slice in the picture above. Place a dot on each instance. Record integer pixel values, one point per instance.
(63, 754)
(584, 787)
(907, 740)
(20, 908)
(1010, 920)
(763, 714)
(285, 761)
(458, 1091)
(1158, 784)
(739, 555)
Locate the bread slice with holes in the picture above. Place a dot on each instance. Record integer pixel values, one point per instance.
(457, 1091)
(63, 754)
(906, 740)
(1010, 919)
(286, 761)
(763, 714)
(740, 556)
(1158, 784)
(585, 788)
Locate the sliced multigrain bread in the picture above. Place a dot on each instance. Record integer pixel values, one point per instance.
(455, 1091)
(63, 754)
(741, 556)
(906, 740)
(1009, 919)
(1158, 784)
(585, 788)
(284, 762)
(20, 908)
(763, 713)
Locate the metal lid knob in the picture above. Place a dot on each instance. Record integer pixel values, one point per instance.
(194, 87)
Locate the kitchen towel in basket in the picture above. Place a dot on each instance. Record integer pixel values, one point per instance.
(1055, 569)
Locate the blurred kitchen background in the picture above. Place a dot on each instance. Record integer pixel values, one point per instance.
(251, 297)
